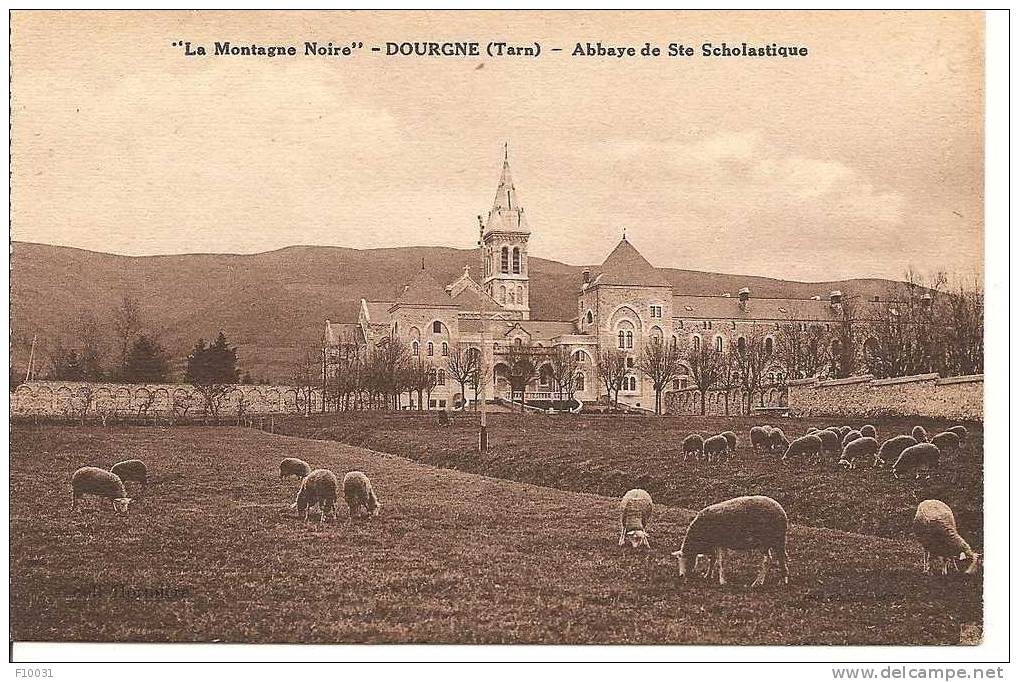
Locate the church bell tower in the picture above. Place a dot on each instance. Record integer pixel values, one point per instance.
(504, 248)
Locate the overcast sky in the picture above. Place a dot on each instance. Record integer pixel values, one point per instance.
(859, 160)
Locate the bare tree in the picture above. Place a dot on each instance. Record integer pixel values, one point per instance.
(463, 364)
(843, 345)
(523, 367)
(306, 375)
(611, 371)
(965, 342)
(659, 362)
(91, 341)
(564, 366)
(707, 367)
(803, 349)
(754, 358)
(127, 323)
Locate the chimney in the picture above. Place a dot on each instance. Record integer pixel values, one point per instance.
(835, 297)
(587, 276)
(815, 298)
(726, 295)
(926, 300)
(744, 294)
(876, 298)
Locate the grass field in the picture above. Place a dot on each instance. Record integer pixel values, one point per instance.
(210, 554)
(609, 455)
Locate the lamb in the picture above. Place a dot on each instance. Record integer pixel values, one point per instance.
(753, 522)
(693, 444)
(291, 466)
(920, 433)
(916, 457)
(960, 431)
(777, 440)
(319, 487)
(935, 529)
(892, 448)
(830, 441)
(850, 437)
(131, 470)
(854, 450)
(760, 437)
(809, 444)
(359, 495)
(715, 447)
(869, 431)
(947, 441)
(634, 513)
(101, 483)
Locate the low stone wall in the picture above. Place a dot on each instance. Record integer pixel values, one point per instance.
(922, 395)
(688, 401)
(77, 399)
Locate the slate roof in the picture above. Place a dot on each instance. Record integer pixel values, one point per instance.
(625, 266)
(424, 291)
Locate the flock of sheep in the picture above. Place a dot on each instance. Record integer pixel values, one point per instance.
(757, 522)
(318, 488)
(753, 522)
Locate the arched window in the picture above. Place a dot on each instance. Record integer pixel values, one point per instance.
(741, 345)
(718, 344)
(520, 295)
(622, 339)
(440, 376)
(633, 383)
(502, 294)
(674, 342)
(590, 317)
(516, 260)
(579, 355)
(769, 346)
(696, 343)
(578, 382)
(445, 348)
(518, 342)
(431, 349)
(415, 348)
(510, 297)
(436, 327)
(629, 339)
(505, 259)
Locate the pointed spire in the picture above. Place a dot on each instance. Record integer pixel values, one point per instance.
(506, 214)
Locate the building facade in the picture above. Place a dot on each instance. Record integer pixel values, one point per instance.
(623, 304)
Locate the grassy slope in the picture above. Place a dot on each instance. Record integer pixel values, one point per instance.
(609, 455)
(454, 557)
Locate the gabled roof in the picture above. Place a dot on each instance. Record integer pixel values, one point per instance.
(470, 300)
(377, 311)
(625, 266)
(769, 309)
(423, 291)
(343, 332)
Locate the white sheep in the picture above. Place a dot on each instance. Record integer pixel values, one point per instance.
(715, 447)
(131, 470)
(693, 444)
(101, 483)
(960, 431)
(319, 487)
(892, 448)
(850, 437)
(753, 522)
(809, 444)
(634, 514)
(947, 441)
(830, 441)
(868, 431)
(920, 433)
(360, 496)
(291, 466)
(760, 437)
(777, 440)
(916, 457)
(855, 450)
(935, 529)
(732, 440)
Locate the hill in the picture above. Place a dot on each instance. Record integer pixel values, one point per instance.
(273, 304)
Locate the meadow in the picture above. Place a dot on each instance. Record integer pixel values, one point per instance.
(211, 552)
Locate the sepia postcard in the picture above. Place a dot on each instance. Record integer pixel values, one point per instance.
(501, 328)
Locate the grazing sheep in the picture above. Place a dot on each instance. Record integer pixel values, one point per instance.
(291, 466)
(960, 431)
(920, 433)
(777, 440)
(732, 440)
(854, 450)
(754, 522)
(634, 513)
(935, 529)
(812, 429)
(693, 444)
(869, 431)
(131, 470)
(809, 444)
(830, 441)
(360, 496)
(101, 483)
(916, 457)
(843, 430)
(715, 447)
(947, 441)
(850, 437)
(760, 437)
(319, 487)
(892, 448)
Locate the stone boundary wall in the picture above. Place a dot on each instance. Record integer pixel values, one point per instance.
(77, 399)
(688, 401)
(921, 395)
